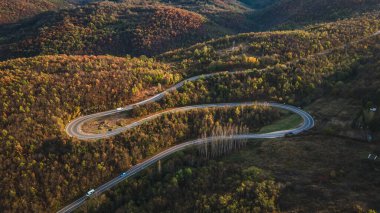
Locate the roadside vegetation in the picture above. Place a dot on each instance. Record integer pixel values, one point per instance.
(320, 171)
(220, 186)
(306, 173)
(288, 122)
(41, 160)
(298, 82)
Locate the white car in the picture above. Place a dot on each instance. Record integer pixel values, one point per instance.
(89, 193)
(120, 108)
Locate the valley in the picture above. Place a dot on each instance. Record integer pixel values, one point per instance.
(189, 106)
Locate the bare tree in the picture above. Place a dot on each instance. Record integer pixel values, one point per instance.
(221, 146)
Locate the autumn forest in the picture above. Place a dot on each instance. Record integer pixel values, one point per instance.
(64, 59)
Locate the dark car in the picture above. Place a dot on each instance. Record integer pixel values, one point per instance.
(290, 134)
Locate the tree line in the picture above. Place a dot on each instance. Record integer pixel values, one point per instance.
(191, 183)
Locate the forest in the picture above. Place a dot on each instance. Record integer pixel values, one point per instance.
(235, 188)
(271, 48)
(229, 183)
(62, 64)
(43, 165)
(14, 10)
(150, 27)
(106, 28)
(41, 173)
(296, 82)
(231, 179)
(295, 13)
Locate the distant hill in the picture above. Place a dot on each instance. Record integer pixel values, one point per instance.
(231, 14)
(13, 10)
(151, 27)
(259, 15)
(294, 13)
(107, 28)
(258, 4)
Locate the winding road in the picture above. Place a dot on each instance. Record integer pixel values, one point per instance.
(308, 122)
(74, 129)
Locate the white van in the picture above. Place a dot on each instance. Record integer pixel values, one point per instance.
(89, 193)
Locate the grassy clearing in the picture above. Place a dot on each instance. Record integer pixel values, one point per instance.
(248, 155)
(288, 122)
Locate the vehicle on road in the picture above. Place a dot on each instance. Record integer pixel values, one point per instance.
(290, 134)
(120, 108)
(89, 193)
(372, 157)
(123, 174)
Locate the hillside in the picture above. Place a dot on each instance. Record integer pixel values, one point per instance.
(233, 52)
(40, 163)
(230, 14)
(296, 13)
(321, 170)
(258, 4)
(106, 28)
(82, 57)
(147, 27)
(262, 15)
(47, 169)
(12, 11)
